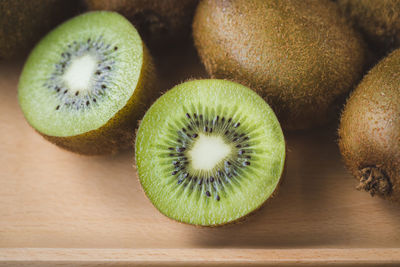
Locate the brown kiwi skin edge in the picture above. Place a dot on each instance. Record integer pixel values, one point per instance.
(369, 132)
(118, 132)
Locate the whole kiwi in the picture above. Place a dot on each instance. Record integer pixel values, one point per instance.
(300, 55)
(369, 133)
(158, 22)
(378, 20)
(23, 23)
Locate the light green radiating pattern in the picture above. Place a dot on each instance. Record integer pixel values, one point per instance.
(262, 175)
(38, 102)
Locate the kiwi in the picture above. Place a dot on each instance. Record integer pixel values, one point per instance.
(209, 152)
(23, 23)
(379, 21)
(85, 85)
(370, 130)
(159, 22)
(299, 55)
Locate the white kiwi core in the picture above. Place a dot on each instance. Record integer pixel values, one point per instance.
(208, 151)
(78, 75)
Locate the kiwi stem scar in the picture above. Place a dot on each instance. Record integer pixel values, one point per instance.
(374, 181)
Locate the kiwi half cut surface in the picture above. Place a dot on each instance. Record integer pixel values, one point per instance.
(87, 82)
(209, 152)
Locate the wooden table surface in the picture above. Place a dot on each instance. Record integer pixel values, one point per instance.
(57, 207)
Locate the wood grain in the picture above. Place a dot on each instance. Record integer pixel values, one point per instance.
(58, 207)
(201, 257)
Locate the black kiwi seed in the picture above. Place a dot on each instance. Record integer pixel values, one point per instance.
(71, 51)
(199, 123)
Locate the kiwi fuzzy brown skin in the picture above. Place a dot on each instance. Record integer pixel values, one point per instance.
(23, 23)
(118, 133)
(159, 22)
(369, 132)
(300, 56)
(379, 21)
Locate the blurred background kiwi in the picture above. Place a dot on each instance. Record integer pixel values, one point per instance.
(159, 22)
(377, 20)
(23, 23)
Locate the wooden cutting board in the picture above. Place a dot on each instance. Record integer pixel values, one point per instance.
(58, 208)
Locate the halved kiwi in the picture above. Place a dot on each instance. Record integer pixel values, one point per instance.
(209, 152)
(87, 82)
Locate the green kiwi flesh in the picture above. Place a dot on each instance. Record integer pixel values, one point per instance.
(300, 55)
(85, 85)
(23, 23)
(370, 130)
(379, 21)
(158, 22)
(209, 152)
